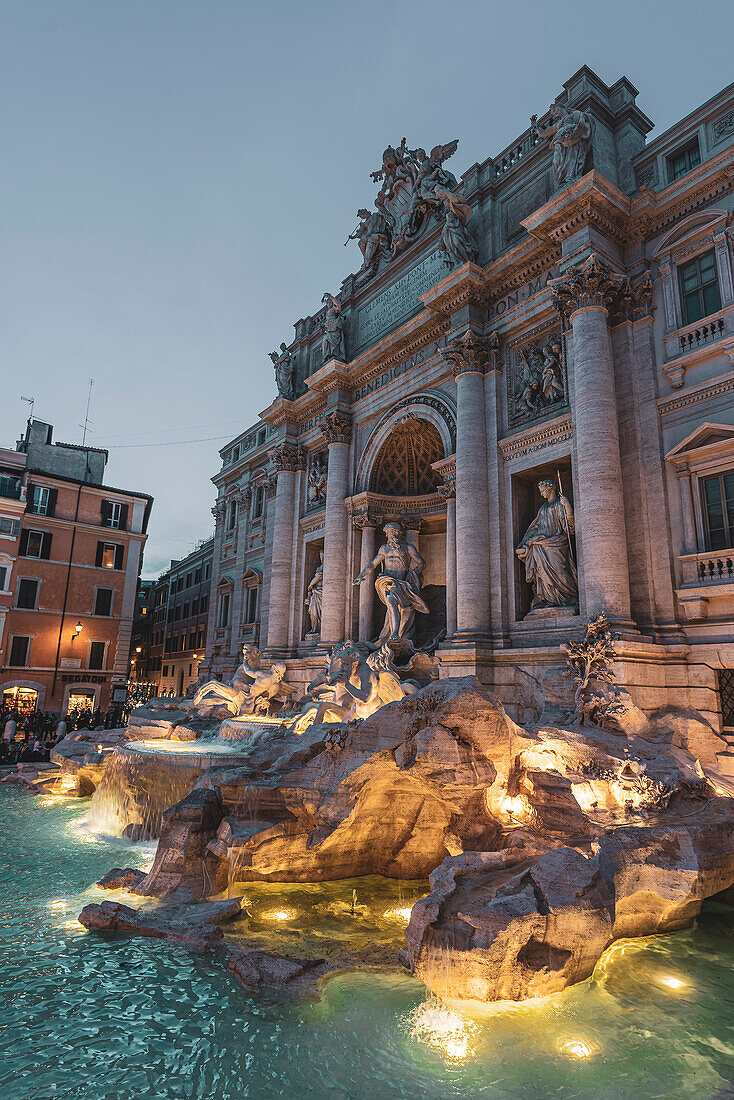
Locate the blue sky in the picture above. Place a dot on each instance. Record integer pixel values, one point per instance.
(178, 180)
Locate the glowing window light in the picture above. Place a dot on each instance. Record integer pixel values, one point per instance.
(671, 982)
(576, 1048)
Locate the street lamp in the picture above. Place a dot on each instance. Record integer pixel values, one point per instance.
(77, 631)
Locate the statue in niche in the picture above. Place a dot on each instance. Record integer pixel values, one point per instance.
(284, 372)
(457, 244)
(398, 586)
(332, 343)
(571, 133)
(317, 478)
(373, 237)
(314, 595)
(545, 550)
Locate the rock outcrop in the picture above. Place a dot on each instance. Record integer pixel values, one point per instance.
(182, 866)
(194, 926)
(256, 968)
(120, 878)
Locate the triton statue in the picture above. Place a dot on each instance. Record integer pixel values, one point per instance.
(398, 585)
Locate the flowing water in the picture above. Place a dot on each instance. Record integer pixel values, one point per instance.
(128, 1019)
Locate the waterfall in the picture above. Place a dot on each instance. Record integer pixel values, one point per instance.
(136, 789)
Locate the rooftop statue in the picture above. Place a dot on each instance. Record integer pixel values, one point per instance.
(284, 372)
(545, 549)
(414, 188)
(398, 586)
(251, 689)
(332, 344)
(571, 133)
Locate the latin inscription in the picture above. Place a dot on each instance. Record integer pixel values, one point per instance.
(496, 309)
(400, 299)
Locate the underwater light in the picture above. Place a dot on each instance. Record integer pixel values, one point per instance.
(281, 914)
(671, 982)
(400, 914)
(58, 903)
(576, 1048)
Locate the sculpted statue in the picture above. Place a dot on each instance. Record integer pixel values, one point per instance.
(372, 234)
(545, 548)
(332, 345)
(398, 585)
(251, 689)
(352, 686)
(284, 372)
(314, 595)
(538, 383)
(571, 133)
(457, 244)
(551, 376)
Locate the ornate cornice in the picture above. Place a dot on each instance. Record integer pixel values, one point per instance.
(289, 457)
(219, 511)
(337, 427)
(720, 387)
(587, 285)
(367, 518)
(448, 489)
(537, 439)
(592, 200)
(473, 354)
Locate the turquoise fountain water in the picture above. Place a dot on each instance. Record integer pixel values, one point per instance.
(129, 1019)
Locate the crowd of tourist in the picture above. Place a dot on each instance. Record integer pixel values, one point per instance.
(25, 738)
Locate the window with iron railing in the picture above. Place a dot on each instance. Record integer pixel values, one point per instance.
(699, 288)
(718, 508)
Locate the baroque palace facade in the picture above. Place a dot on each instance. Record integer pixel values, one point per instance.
(532, 373)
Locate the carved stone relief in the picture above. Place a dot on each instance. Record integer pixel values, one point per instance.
(536, 380)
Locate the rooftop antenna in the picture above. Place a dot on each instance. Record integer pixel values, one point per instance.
(85, 425)
(30, 401)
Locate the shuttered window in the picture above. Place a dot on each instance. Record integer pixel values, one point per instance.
(110, 555)
(41, 500)
(103, 601)
(27, 593)
(19, 652)
(114, 514)
(35, 544)
(96, 655)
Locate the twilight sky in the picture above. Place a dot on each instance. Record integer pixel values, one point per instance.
(179, 176)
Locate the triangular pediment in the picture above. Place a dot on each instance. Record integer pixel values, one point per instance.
(225, 581)
(252, 575)
(703, 436)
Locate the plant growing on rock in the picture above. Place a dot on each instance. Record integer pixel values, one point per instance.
(590, 660)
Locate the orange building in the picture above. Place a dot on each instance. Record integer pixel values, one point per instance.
(66, 642)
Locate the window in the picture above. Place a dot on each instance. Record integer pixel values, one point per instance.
(41, 500)
(109, 555)
(726, 695)
(197, 576)
(258, 502)
(683, 160)
(27, 594)
(260, 437)
(699, 288)
(194, 607)
(207, 571)
(251, 606)
(203, 605)
(231, 515)
(201, 639)
(35, 544)
(96, 654)
(19, 652)
(9, 526)
(185, 612)
(165, 670)
(224, 610)
(179, 584)
(188, 580)
(718, 505)
(9, 487)
(114, 514)
(103, 601)
(3, 578)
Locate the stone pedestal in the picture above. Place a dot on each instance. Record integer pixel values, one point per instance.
(583, 296)
(337, 430)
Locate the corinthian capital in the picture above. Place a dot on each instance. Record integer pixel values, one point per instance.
(473, 354)
(337, 427)
(219, 511)
(587, 285)
(289, 456)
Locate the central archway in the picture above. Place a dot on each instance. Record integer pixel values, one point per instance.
(403, 464)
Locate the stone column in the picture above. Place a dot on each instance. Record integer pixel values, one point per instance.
(243, 498)
(337, 429)
(583, 296)
(289, 461)
(448, 492)
(218, 511)
(368, 525)
(687, 515)
(469, 356)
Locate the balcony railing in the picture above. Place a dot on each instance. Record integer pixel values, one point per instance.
(701, 334)
(710, 568)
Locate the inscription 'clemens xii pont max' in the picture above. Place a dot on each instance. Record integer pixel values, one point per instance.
(400, 299)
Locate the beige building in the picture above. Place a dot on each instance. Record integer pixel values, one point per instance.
(562, 316)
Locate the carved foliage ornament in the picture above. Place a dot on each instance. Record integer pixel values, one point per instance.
(590, 284)
(289, 457)
(337, 427)
(473, 354)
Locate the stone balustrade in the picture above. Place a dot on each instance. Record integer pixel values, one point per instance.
(711, 567)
